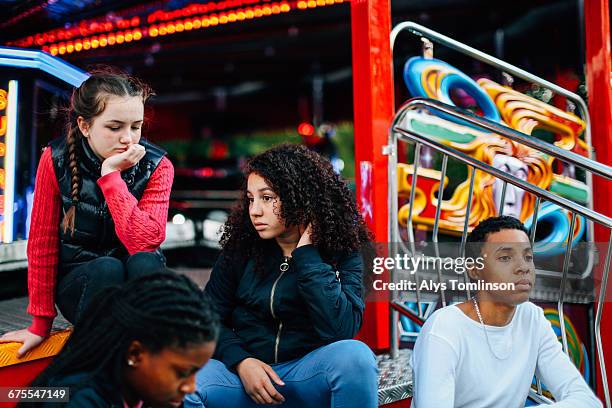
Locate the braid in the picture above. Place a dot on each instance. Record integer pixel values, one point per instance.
(69, 217)
(88, 101)
(160, 310)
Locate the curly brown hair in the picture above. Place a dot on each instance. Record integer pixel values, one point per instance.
(310, 192)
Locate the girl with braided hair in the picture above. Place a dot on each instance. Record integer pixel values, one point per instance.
(136, 345)
(100, 204)
(288, 288)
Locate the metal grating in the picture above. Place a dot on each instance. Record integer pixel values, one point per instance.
(394, 377)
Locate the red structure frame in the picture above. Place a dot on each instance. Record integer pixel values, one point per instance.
(373, 111)
(598, 66)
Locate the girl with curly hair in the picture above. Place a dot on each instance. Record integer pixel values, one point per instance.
(288, 288)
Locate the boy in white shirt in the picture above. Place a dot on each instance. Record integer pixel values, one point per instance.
(483, 353)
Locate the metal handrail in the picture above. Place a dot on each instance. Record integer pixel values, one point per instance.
(486, 124)
(421, 31)
(401, 133)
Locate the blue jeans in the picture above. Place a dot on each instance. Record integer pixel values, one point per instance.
(343, 374)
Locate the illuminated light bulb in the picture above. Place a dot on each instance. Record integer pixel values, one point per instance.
(111, 39)
(180, 27)
(178, 219)
(137, 35)
(78, 46)
(120, 38)
(285, 7)
(302, 5)
(171, 28)
(232, 17)
(240, 16)
(153, 32)
(258, 12)
(188, 26)
(162, 30)
(197, 24)
(86, 45)
(53, 50)
(312, 3)
(275, 9)
(103, 42)
(249, 14)
(69, 48)
(95, 43)
(320, 2)
(62, 50)
(214, 21)
(267, 11)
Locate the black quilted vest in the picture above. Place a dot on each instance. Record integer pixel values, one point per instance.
(94, 230)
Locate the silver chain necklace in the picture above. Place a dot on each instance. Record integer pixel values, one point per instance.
(487, 334)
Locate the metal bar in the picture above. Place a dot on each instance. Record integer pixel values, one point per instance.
(421, 31)
(534, 219)
(424, 32)
(437, 225)
(566, 262)
(600, 306)
(415, 168)
(561, 201)
(409, 313)
(552, 150)
(393, 233)
(466, 224)
(538, 398)
(502, 201)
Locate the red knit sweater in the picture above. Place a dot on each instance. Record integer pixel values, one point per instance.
(140, 226)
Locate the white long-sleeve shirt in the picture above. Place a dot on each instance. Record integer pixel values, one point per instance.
(453, 365)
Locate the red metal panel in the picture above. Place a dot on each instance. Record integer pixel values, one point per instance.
(21, 375)
(597, 39)
(373, 111)
(398, 404)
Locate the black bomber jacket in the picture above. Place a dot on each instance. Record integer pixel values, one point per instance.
(280, 315)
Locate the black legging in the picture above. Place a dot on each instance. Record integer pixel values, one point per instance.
(76, 288)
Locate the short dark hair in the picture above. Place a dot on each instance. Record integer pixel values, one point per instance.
(478, 236)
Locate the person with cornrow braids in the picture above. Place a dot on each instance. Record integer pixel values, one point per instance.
(100, 204)
(136, 345)
(289, 289)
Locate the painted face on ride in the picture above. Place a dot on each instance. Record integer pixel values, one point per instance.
(162, 379)
(514, 195)
(116, 128)
(508, 258)
(264, 208)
